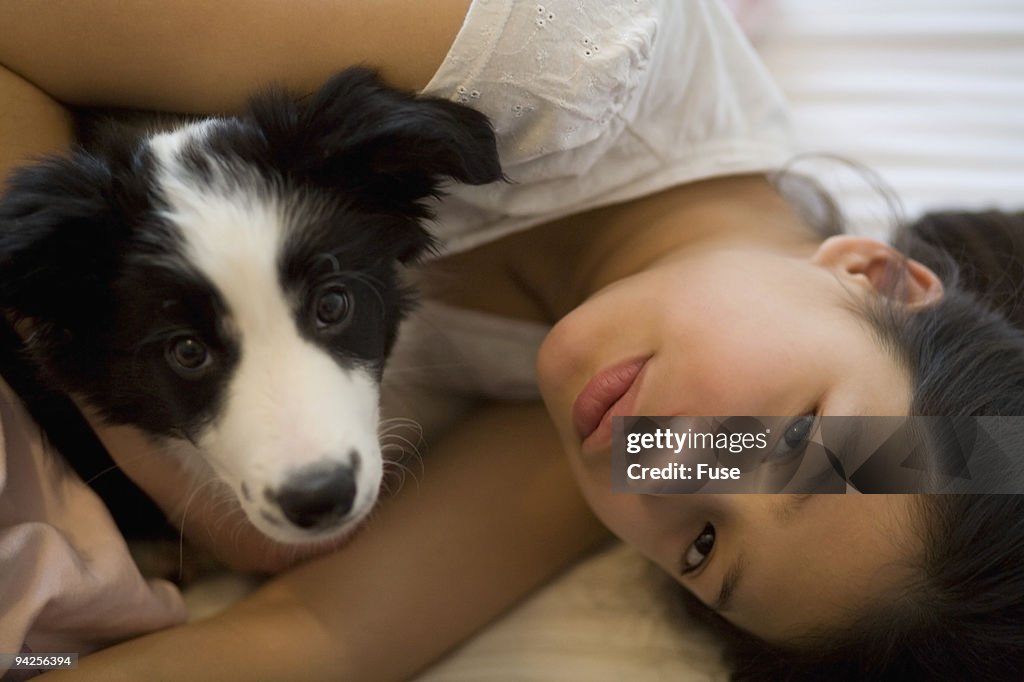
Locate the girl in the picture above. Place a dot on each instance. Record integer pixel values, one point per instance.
(641, 226)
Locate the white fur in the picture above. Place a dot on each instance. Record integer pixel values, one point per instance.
(288, 403)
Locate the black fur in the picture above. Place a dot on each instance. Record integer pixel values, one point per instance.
(91, 270)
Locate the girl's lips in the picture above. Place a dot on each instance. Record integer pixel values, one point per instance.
(611, 392)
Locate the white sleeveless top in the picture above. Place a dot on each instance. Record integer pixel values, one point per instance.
(593, 103)
(602, 101)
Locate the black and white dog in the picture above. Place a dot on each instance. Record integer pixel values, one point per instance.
(232, 285)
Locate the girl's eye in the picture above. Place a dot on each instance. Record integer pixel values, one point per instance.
(796, 436)
(188, 356)
(700, 549)
(332, 306)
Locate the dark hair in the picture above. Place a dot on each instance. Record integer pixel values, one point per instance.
(962, 616)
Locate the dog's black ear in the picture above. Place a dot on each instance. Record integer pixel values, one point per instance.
(388, 145)
(56, 224)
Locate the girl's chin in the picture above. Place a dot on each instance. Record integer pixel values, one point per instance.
(558, 360)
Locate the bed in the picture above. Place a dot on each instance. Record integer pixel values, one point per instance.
(927, 93)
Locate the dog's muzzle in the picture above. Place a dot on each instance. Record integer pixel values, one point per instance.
(317, 496)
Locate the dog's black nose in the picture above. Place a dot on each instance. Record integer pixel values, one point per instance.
(317, 495)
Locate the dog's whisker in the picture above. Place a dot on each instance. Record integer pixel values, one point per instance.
(392, 427)
(398, 451)
(401, 452)
(155, 451)
(374, 284)
(388, 421)
(399, 434)
(414, 430)
(393, 437)
(407, 470)
(333, 261)
(405, 450)
(399, 471)
(181, 531)
(413, 369)
(401, 444)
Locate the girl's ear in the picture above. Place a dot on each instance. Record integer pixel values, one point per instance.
(879, 268)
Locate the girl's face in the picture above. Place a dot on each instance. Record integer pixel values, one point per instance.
(737, 332)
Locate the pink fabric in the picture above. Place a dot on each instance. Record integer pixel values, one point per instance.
(67, 581)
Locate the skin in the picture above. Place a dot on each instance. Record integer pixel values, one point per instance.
(745, 326)
(739, 309)
(195, 56)
(759, 317)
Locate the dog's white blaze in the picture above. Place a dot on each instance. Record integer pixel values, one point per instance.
(288, 403)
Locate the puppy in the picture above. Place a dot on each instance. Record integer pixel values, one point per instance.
(232, 286)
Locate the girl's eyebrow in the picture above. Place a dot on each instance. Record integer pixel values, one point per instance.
(790, 506)
(729, 582)
(734, 574)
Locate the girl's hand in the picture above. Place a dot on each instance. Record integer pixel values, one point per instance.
(495, 513)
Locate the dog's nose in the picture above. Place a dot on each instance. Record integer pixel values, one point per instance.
(317, 495)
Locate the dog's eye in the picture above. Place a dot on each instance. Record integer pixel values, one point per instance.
(188, 356)
(333, 306)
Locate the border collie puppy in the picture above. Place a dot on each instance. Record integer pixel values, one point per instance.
(232, 286)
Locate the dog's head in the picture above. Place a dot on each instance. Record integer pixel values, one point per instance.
(234, 283)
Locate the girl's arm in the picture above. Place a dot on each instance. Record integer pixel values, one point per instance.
(495, 513)
(199, 56)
